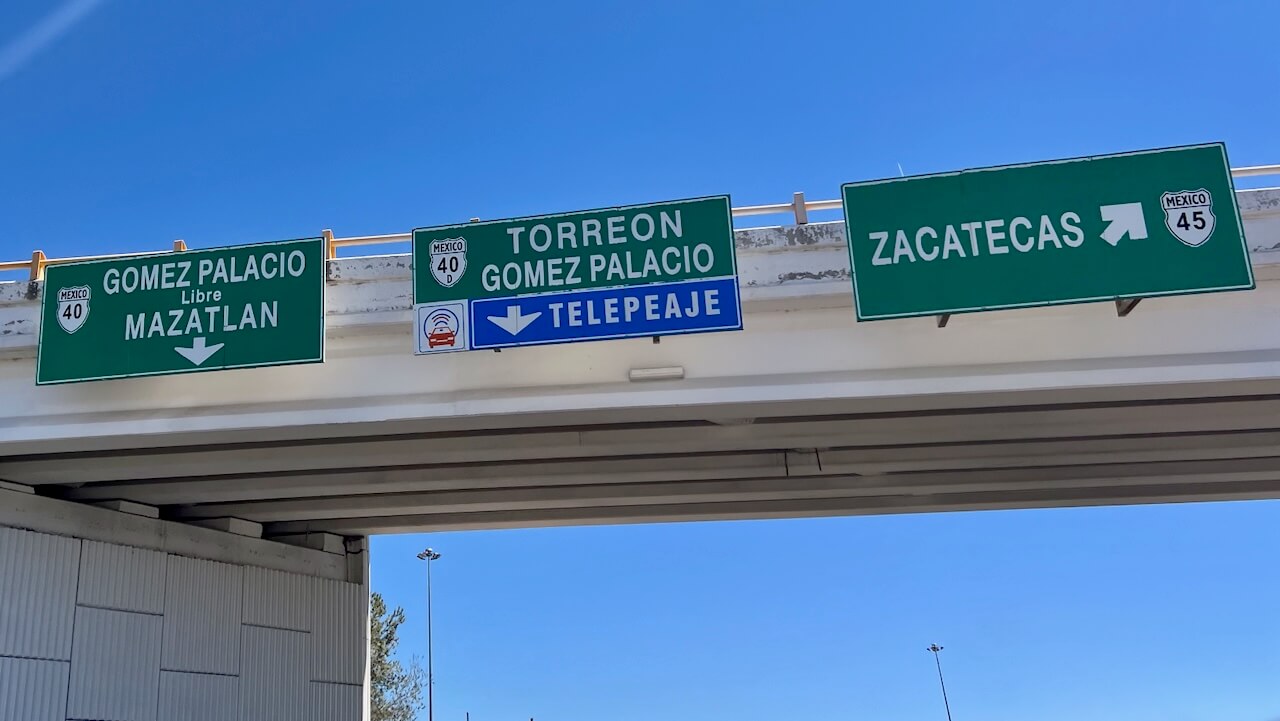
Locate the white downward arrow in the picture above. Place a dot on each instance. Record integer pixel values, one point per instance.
(513, 322)
(1123, 218)
(199, 352)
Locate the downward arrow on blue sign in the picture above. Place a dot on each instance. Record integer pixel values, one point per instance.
(513, 322)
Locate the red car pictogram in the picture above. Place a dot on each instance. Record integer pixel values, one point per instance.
(441, 336)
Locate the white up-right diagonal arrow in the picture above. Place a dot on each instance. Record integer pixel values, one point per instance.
(1123, 218)
(513, 322)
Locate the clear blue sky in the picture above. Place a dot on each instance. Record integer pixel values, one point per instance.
(234, 121)
(126, 124)
(1152, 613)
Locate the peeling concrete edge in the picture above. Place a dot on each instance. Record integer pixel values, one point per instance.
(804, 276)
(18, 291)
(789, 237)
(841, 247)
(1259, 201)
(369, 268)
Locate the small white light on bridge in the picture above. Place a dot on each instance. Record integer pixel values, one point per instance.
(666, 373)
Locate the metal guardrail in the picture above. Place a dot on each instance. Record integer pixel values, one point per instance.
(798, 207)
(39, 262)
(1253, 171)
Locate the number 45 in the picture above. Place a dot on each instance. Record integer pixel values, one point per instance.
(1197, 220)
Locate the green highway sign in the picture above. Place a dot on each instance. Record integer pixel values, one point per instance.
(634, 245)
(634, 271)
(1132, 225)
(235, 307)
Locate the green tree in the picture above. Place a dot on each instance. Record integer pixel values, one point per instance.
(395, 689)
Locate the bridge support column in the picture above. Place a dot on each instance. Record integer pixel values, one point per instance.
(110, 615)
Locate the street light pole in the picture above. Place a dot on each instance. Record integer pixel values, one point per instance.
(429, 555)
(935, 648)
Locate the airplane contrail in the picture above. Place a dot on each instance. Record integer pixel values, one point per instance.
(43, 34)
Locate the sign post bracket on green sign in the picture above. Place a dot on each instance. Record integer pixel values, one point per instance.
(1125, 306)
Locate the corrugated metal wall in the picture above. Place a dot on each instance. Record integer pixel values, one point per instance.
(33, 690)
(202, 613)
(339, 618)
(334, 701)
(37, 594)
(275, 684)
(121, 578)
(115, 666)
(276, 599)
(199, 697)
(98, 631)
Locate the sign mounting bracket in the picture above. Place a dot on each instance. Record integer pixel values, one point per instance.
(1125, 306)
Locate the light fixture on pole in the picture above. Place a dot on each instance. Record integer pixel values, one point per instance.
(935, 648)
(429, 555)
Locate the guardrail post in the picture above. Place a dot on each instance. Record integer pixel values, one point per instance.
(330, 250)
(37, 264)
(801, 210)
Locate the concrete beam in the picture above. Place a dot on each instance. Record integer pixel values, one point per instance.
(232, 488)
(620, 495)
(804, 508)
(325, 542)
(130, 507)
(807, 431)
(64, 518)
(227, 524)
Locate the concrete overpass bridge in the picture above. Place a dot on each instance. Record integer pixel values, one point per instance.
(806, 412)
(273, 477)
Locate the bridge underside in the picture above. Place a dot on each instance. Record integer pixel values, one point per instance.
(1083, 448)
